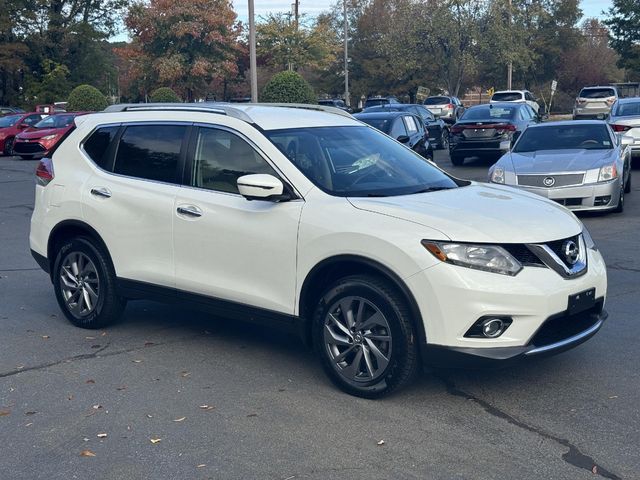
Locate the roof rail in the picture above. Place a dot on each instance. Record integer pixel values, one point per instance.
(229, 109)
(207, 107)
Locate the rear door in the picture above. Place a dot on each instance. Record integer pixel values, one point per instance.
(227, 247)
(129, 200)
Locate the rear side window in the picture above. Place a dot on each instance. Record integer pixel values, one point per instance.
(398, 129)
(97, 145)
(151, 152)
(411, 125)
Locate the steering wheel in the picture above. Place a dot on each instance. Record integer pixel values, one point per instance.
(589, 142)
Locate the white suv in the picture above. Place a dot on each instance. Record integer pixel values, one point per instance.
(516, 96)
(312, 222)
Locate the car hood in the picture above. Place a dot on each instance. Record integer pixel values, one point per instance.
(40, 132)
(480, 213)
(553, 161)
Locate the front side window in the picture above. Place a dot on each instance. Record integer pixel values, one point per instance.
(151, 152)
(358, 161)
(32, 119)
(9, 120)
(221, 157)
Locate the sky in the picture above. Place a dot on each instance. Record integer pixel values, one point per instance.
(590, 8)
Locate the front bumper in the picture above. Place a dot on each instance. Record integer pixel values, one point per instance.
(34, 148)
(582, 197)
(452, 298)
(477, 147)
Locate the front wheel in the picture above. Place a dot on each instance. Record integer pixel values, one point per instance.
(85, 284)
(627, 187)
(620, 207)
(363, 334)
(444, 139)
(8, 146)
(456, 159)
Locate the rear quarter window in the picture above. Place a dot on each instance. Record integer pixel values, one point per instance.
(96, 146)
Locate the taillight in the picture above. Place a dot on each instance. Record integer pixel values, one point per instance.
(450, 106)
(580, 101)
(507, 127)
(610, 100)
(620, 128)
(456, 129)
(44, 172)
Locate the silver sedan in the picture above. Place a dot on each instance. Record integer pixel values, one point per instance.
(625, 120)
(582, 164)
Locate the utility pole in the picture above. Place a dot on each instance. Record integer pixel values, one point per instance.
(252, 54)
(346, 56)
(296, 13)
(510, 66)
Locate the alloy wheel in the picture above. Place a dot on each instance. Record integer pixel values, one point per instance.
(80, 284)
(357, 338)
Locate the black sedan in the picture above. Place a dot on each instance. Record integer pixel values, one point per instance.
(488, 130)
(436, 127)
(405, 127)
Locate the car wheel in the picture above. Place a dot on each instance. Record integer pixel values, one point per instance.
(456, 159)
(620, 207)
(627, 187)
(444, 139)
(8, 146)
(363, 334)
(26, 157)
(85, 284)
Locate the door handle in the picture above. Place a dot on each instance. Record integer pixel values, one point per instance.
(101, 192)
(190, 211)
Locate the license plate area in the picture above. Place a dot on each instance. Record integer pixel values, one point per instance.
(582, 301)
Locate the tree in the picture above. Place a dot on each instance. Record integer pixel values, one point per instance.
(86, 98)
(288, 87)
(52, 87)
(624, 31)
(190, 45)
(165, 95)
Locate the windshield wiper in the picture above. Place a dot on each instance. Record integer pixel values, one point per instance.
(431, 189)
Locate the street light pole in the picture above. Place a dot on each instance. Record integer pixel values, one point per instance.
(346, 56)
(252, 54)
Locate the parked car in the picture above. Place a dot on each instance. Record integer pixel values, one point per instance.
(38, 140)
(582, 165)
(516, 96)
(312, 223)
(405, 127)
(449, 109)
(437, 129)
(10, 110)
(335, 102)
(594, 102)
(483, 129)
(12, 125)
(625, 120)
(374, 101)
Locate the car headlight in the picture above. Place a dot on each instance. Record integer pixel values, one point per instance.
(490, 258)
(608, 172)
(497, 176)
(48, 137)
(588, 241)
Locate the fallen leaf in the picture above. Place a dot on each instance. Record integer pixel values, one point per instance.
(87, 453)
(70, 397)
(185, 374)
(381, 442)
(103, 334)
(155, 440)
(613, 396)
(252, 415)
(90, 381)
(149, 416)
(201, 465)
(102, 435)
(180, 419)
(123, 387)
(148, 344)
(90, 338)
(45, 336)
(29, 424)
(4, 413)
(207, 407)
(137, 361)
(96, 407)
(30, 413)
(594, 470)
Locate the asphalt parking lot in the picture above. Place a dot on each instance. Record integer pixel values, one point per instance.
(170, 393)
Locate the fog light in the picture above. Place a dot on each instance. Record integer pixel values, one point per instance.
(489, 327)
(492, 328)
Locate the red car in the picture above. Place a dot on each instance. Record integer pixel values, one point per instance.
(11, 125)
(36, 141)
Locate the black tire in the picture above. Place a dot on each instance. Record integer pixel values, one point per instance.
(620, 207)
(444, 140)
(402, 360)
(8, 146)
(627, 187)
(456, 159)
(109, 305)
(26, 157)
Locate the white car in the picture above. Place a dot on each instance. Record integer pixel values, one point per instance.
(311, 222)
(517, 96)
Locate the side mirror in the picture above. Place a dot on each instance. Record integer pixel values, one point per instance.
(262, 187)
(403, 139)
(505, 145)
(22, 126)
(626, 140)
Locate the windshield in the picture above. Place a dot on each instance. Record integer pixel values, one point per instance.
(358, 161)
(506, 97)
(489, 113)
(55, 121)
(9, 120)
(564, 137)
(628, 109)
(437, 101)
(597, 93)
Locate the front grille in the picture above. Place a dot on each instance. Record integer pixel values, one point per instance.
(563, 326)
(568, 202)
(22, 147)
(562, 180)
(523, 255)
(556, 246)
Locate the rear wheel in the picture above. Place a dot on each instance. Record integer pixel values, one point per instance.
(444, 139)
(363, 334)
(8, 146)
(456, 159)
(85, 284)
